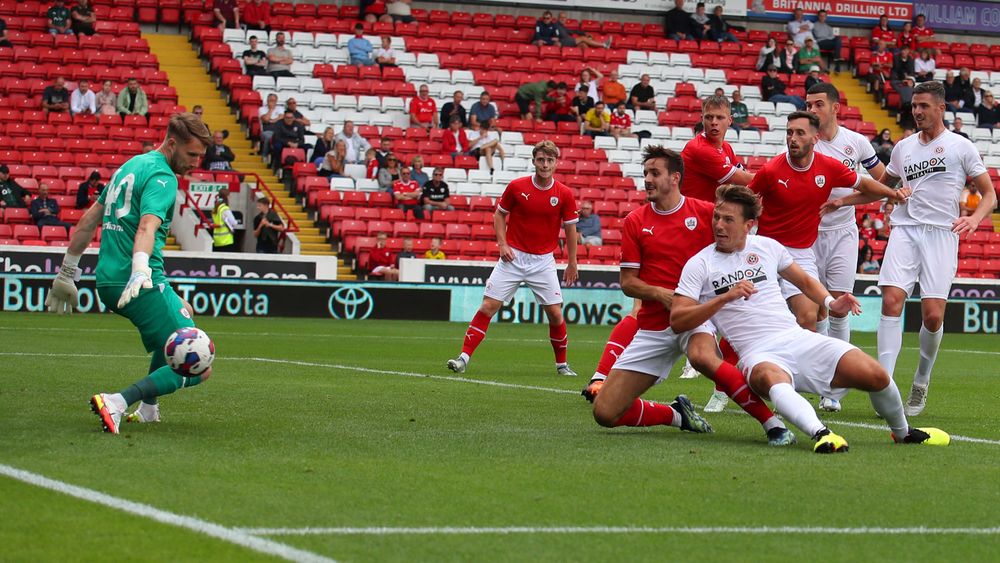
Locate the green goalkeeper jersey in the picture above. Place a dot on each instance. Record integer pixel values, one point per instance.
(145, 185)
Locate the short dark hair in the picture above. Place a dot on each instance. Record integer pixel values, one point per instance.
(583, 89)
(673, 159)
(742, 196)
(561, 86)
(832, 94)
(263, 199)
(932, 87)
(821, 12)
(813, 120)
(551, 84)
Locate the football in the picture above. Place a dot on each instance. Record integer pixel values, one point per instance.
(189, 352)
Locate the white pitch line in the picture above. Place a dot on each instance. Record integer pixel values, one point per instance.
(447, 530)
(231, 535)
(886, 428)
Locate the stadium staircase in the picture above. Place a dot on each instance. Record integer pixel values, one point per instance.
(852, 89)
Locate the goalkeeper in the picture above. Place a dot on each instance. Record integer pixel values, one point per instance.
(134, 213)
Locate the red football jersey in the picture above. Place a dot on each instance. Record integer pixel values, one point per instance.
(535, 215)
(923, 31)
(792, 196)
(659, 243)
(380, 257)
(884, 59)
(623, 120)
(423, 110)
(401, 187)
(879, 34)
(706, 167)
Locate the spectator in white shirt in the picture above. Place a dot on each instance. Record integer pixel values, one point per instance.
(356, 144)
(82, 101)
(486, 144)
(799, 28)
(385, 55)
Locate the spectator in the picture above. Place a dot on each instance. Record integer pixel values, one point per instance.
(719, 28)
(621, 123)
(486, 144)
(484, 110)
(454, 108)
(423, 109)
(700, 25)
(398, 11)
(334, 161)
(4, 40)
(417, 171)
(988, 112)
(904, 88)
(280, 58)
(88, 191)
(768, 55)
(677, 23)
(83, 101)
(800, 29)
(383, 152)
(257, 15)
(590, 78)
(969, 200)
(218, 157)
(407, 194)
(588, 229)
(808, 56)
(560, 107)
(772, 89)
(132, 100)
(883, 144)
(55, 98)
(58, 17)
(270, 115)
(324, 144)
(435, 252)
(813, 78)
(388, 174)
(371, 165)
(613, 90)
(740, 113)
(83, 18)
(45, 210)
(788, 58)
(357, 145)
(953, 93)
(956, 127)
(906, 37)
(224, 224)
(581, 103)
(435, 195)
(360, 48)
(904, 65)
(199, 111)
(385, 55)
(11, 193)
(882, 63)
(381, 262)
(576, 37)
(293, 106)
(106, 99)
(924, 67)
(536, 93)
(254, 59)
(597, 121)
(546, 31)
(920, 29)
(867, 264)
(406, 252)
(289, 134)
(227, 14)
(642, 95)
(867, 231)
(267, 227)
(827, 41)
(454, 141)
(974, 97)
(883, 32)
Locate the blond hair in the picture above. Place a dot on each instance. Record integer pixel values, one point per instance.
(547, 148)
(186, 126)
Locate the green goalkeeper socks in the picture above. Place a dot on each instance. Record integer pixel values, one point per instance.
(163, 381)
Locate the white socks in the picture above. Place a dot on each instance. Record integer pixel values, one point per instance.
(840, 328)
(889, 404)
(823, 326)
(890, 341)
(930, 342)
(795, 408)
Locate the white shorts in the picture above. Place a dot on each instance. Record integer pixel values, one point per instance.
(809, 358)
(920, 253)
(806, 260)
(537, 271)
(654, 352)
(837, 258)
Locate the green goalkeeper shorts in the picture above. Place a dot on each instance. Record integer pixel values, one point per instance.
(156, 312)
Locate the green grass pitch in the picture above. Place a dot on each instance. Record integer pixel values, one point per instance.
(344, 427)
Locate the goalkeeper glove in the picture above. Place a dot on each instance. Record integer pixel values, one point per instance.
(141, 278)
(62, 298)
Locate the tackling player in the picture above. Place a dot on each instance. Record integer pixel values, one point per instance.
(734, 283)
(836, 249)
(527, 221)
(657, 240)
(134, 212)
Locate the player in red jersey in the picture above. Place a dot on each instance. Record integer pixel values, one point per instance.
(794, 186)
(708, 159)
(527, 221)
(657, 240)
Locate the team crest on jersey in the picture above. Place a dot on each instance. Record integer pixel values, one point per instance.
(820, 181)
(553, 201)
(185, 313)
(938, 150)
(848, 151)
(752, 258)
(691, 223)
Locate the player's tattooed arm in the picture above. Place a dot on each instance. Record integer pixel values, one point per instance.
(639, 289)
(870, 190)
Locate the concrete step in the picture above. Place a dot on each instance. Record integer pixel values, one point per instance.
(317, 247)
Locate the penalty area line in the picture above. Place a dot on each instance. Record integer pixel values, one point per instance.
(231, 535)
(666, 530)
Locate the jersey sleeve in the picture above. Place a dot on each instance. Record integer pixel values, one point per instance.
(845, 177)
(893, 167)
(781, 255)
(631, 252)
(972, 163)
(507, 201)
(158, 195)
(570, 214)
(867, 156)
(760, 183)
(714, 164)
(693, 278)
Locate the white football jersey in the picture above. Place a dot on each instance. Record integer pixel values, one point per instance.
(855, 151)
(746, 323)
(936, 173)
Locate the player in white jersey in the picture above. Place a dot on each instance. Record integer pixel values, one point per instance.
(734, 283)
(836, 249)
(923, 243)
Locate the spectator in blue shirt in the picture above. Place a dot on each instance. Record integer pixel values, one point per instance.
(360, 49)
(589, 226)
(45, 210)
(546, 31)
(484, 110)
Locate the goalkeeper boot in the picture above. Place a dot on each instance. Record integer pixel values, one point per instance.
(718, 402)
(829, 443)
(144, 413)
(592, 389)
(917, 400)
(110, 408)
(690, 420)
(926, 436)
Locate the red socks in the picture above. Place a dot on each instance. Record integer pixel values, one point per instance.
(621, 335)
(646, 413)
(732, 383)
(476, 333)
(559, 340)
